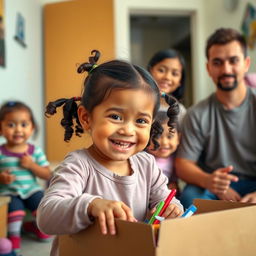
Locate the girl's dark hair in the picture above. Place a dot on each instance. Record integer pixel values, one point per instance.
(11, 106)
(101, 80)
(171, 54)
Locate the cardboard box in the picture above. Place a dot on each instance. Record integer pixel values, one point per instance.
(219, 228)
(4, 200)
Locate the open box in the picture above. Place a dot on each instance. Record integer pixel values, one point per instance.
(219, 228)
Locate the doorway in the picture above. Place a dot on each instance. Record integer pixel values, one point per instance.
(151, 33)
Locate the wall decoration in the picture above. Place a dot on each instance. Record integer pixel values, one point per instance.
(20, 30)
(2, 37)
(249, 25)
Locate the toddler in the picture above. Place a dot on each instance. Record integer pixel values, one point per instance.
(20, 164)
(165, 153)
(114, 177)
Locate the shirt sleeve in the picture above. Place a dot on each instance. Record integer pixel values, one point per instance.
(63, 209)
(40, 157)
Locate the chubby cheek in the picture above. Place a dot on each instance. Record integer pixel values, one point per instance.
(144, 139)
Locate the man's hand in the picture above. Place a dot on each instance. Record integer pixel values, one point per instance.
(230, 195)
(218, 182)
(249, 198)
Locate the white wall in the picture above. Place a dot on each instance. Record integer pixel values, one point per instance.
(22, 78)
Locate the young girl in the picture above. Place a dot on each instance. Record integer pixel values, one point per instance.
(165, 153)
(168, 69)
(20, 164)
(112, 178)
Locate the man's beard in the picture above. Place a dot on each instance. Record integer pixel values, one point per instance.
(227, 88)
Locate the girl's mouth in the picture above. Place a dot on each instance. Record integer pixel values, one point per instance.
(122, 144)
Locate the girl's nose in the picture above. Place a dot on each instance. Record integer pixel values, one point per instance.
(168, 75)
(127, 129)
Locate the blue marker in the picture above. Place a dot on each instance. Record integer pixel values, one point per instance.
(189, 212)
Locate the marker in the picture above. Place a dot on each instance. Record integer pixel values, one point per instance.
(158, 209)
(189, 212)
(166, 204)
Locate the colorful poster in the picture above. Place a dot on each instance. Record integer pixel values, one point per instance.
(2, 42)
(249, 25)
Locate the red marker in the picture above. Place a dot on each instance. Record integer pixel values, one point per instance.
(166, 203)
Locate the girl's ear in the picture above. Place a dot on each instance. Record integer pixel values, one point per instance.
(84, 117)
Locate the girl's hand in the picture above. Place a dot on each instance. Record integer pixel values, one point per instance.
(26, 161)
(106, 211)
(172, 211)
(6, 177)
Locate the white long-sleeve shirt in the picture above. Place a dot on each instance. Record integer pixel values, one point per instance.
(79, 179)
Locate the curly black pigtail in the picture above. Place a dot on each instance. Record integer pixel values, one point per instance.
(69, 113)
(50, 109)
(155, 133)
(172, 112)
(92, 64)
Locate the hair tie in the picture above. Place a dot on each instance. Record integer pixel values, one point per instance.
(93, 67)
(11, 103)
(163, 94)
(77, 98)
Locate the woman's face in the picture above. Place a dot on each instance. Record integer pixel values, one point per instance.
(167, 73)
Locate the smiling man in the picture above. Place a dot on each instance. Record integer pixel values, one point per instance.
(217, 154)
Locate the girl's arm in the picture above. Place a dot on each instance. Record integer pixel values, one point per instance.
(42, 172)
(63, 209)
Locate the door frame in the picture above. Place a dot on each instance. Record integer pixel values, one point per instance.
(125, 8)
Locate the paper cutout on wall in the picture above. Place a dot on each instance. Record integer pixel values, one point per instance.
(20, 30)
(249, 25)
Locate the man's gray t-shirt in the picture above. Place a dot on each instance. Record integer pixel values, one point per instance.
(215, 137)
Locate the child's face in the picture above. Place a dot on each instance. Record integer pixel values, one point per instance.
(168, 143)
(120, 125)
(16, 127)
(168, 74)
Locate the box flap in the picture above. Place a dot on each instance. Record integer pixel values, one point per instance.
(222, 233)
(134, 239)
(204, 206)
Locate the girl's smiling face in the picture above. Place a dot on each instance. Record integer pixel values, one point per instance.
(17, 127)
(168, 143)
(120, 125)
(167, 74)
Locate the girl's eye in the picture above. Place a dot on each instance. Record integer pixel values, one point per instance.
(11, 125)
(115, 117)
(161, 70)
(175, 73)
(142, 121)
(24, 125)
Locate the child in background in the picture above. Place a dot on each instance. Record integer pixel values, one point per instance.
(168, 69)
(114, 177)
(165, 153)
(20, 164)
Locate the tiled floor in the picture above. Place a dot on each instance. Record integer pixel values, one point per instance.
(31, 247)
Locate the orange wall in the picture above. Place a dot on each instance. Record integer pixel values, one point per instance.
(71, 31)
